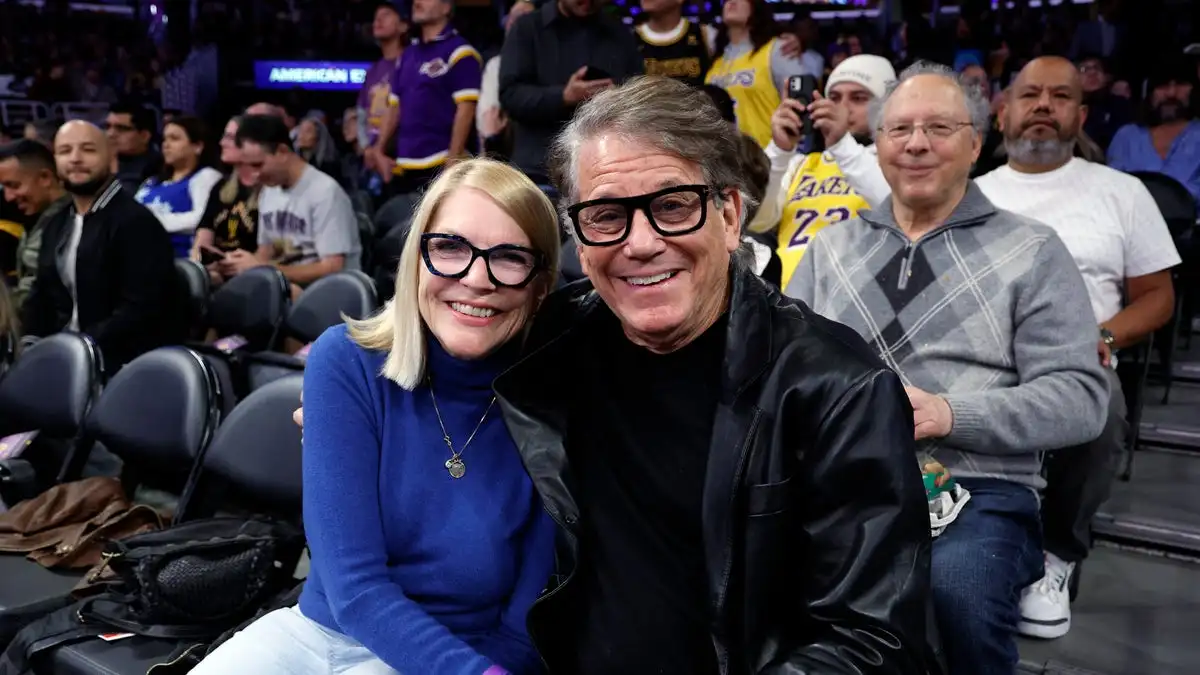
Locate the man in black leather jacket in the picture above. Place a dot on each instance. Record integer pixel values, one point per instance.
(734, 477)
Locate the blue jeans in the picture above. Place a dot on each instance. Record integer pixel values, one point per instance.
(980, 564)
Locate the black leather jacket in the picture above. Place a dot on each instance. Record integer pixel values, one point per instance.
(816, 528)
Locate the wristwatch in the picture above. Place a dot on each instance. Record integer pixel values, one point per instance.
(1107, 336)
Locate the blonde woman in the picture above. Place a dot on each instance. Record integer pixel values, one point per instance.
(428, 541)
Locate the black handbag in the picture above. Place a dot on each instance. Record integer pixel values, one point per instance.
(195, 580)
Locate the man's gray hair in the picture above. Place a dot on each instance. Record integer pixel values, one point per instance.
(663, 113)
(979, 108)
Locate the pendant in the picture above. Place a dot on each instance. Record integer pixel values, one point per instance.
(456, 467)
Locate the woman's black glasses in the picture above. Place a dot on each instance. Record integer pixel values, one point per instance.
(451, 256)
(672, 212)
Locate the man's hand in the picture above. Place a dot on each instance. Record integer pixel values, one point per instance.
(579, 90)
(932, 416)
(786, 125)
(1105, 353)
(494, 119)
(236, 262)
(829, 118)
(790, 45)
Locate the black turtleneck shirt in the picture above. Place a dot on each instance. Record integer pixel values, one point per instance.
(638, 445)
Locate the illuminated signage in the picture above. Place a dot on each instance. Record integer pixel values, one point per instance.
(322, 75)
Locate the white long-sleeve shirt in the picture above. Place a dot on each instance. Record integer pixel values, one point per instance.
(858, 164)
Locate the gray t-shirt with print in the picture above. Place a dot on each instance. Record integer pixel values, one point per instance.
(312, 219)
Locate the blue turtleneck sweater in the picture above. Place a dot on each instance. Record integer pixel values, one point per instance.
(432, 574)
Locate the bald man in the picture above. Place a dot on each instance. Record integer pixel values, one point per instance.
(1118, 239)
(106, 265)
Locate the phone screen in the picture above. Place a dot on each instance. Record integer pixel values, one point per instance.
(209, 256)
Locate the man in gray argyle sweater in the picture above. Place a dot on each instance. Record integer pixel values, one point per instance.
(985, 317)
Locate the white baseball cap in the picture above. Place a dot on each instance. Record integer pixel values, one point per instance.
(871, 71)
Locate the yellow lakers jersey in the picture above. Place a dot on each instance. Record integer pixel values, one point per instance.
(818, 197)
(755, 95)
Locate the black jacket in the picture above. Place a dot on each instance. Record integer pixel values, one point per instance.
(816, 527)
(129, 301)
(543, 49)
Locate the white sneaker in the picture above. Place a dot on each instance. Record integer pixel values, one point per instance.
(1046, 605)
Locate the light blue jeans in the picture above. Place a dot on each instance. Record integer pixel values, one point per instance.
(285, 642)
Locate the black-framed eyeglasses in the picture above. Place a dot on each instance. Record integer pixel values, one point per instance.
(672, 212)
(508, 265)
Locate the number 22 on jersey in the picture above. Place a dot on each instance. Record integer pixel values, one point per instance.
(808, 222)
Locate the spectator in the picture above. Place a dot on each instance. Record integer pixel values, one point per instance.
(130, 129)
(413, 570)
(544, 72)
(389, 30)
(315, 145)
(178, 195)
(230, 221)
(1168, 139)
(95, 90)
(808, 192)
(992, 153)
(671, 45)
(434, 90)
(1106, 112)
(710, 346)
(30, 181)
(490, 119)
(751, 64)
(105, 265)
(996, 376)
(306, 224)
(1112, 227)
(41, 131)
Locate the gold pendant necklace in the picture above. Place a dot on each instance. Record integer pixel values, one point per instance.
(455, 465)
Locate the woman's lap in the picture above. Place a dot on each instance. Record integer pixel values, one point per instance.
(285, 642)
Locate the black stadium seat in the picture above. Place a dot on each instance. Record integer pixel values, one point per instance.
(196, 287)
(51, 387)
(252, 305)
(157, 414)
(322, 305)
(254, 461)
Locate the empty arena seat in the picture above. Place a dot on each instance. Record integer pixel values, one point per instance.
(195, 287)
(323, 304)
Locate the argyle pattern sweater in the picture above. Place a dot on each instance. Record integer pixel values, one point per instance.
(988, 310)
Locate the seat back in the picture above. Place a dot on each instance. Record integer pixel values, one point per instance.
(326, 301)
(52, 386)
(569, 262)
(253, 305)
(366, 240)
(195, 288)
(158, 414)
(1177, 205)
(254, 459)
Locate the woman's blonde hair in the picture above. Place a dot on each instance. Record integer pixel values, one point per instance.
(398, 328)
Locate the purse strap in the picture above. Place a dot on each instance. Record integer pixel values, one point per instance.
(89, 611)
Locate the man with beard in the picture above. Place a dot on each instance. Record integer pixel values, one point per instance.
(31, 187)
(1118, 239)
(389, 30)
(806, 193)
(1169, 140)
(106, 267)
